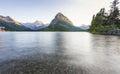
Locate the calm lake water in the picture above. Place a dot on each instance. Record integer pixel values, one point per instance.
(59, 53)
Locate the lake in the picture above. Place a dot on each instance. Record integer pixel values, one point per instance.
(59, 53)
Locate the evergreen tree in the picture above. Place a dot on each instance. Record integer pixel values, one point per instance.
(114, 13)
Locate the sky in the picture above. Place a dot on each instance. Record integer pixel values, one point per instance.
(78, 11)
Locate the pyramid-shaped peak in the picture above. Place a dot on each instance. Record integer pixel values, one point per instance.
(61, 18)
(59, 15)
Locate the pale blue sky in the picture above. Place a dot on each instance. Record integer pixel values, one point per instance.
(78, 11)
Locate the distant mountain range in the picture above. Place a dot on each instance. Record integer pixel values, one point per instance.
(37, 25)
(84, 27)
(59, 23)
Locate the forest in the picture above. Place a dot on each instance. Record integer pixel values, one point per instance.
(106, 22)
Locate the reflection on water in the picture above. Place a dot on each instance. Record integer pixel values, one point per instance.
(59, 53)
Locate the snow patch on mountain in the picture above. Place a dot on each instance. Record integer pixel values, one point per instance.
(35, 25)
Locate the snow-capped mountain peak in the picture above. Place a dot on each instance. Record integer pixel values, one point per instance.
(35, 25)
(39, 22)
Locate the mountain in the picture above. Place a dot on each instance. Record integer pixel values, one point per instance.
(8, 19)
(61, 23)
(39, 22)
(84, 27)
(11, 25)
(35, 25)
(61, 18)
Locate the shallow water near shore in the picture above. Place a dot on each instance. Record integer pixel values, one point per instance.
(59, 53)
